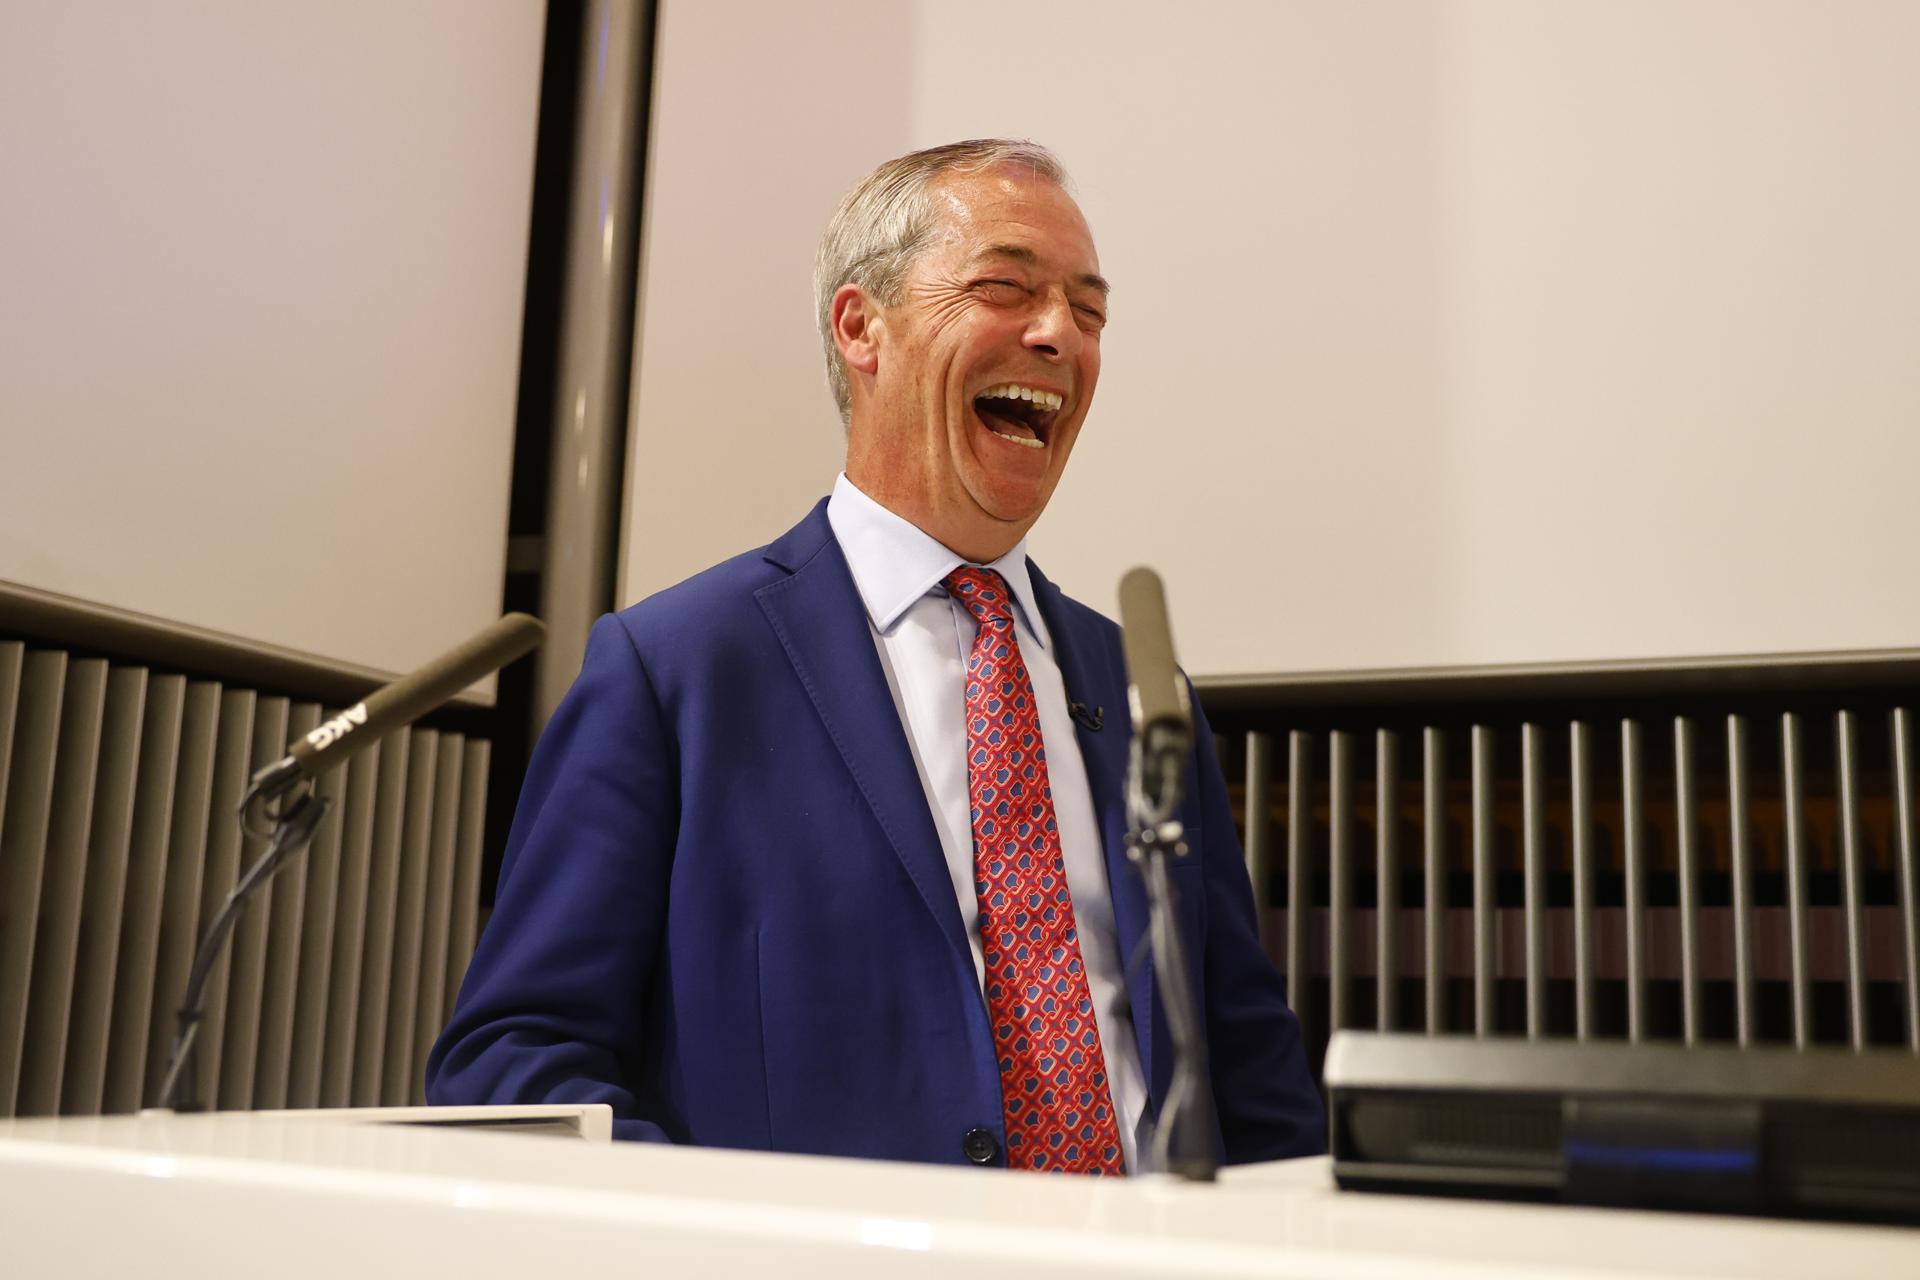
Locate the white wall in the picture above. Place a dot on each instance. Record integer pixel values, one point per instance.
(1683, 325)
(261, 267)
(1463, 332)
(732, 434)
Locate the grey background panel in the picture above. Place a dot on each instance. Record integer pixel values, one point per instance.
(1483, 874)
(1900, 728)
(409, 918)
(103, 896)
(320, 873)
(1340, 878)
(1850, 878)
(283, 922)
(246, 974)
(431, 982)
(1687, 843)
(466, 883)
(118, 1086)
(1740, 859)
(188, 824)
(75, 772)
(1386, 854)
(1680, 926)
(350, 925)
(1433, 852)
(233, 757)
(397, 765)
(1633, 843)
(23, 850)
(1580, 766)
(1299, 859)
(1793, 788)
(1259, 824)
(1533, 854)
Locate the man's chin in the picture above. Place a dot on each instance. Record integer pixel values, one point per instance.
(1011, 501)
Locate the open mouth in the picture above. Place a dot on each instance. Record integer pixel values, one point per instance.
(1019, 414)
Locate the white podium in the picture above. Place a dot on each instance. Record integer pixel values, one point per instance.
(376, 1193)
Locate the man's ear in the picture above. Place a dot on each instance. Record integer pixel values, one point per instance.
(857, 328)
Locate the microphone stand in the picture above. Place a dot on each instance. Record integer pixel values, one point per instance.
(284, 790)
(294, 820)
(1155, 837)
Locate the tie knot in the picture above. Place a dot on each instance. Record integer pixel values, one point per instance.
(984, 592)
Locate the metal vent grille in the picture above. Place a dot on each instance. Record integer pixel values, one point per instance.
(117, 845)
(1708, 876)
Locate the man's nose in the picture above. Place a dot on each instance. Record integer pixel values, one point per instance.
(1051, 330)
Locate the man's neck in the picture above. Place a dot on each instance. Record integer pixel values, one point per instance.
(971, 543)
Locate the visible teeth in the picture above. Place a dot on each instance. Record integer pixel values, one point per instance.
(1014, 391)
(1031, 444)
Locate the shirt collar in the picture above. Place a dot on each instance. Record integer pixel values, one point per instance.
(894, 562)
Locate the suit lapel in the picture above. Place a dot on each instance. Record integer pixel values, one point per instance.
(1092, 675)
(822, 625)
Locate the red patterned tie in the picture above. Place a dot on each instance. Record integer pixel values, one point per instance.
(1053, 1075)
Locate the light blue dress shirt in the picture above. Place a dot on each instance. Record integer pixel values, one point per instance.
(923, 637)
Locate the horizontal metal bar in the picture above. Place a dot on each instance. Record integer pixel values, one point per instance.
(163, 643)
(1479, 686)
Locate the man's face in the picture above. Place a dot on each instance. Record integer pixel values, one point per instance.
(984, 369)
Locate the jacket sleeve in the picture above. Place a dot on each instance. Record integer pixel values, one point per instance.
(1263, 1092)
(553, 1006)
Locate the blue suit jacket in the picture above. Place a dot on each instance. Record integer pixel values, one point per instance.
(724, 908)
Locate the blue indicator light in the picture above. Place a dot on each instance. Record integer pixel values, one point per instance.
(1674, 1159)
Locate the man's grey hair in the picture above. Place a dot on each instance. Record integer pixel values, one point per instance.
(883, 224)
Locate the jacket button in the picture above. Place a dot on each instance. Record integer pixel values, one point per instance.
(979, 1146)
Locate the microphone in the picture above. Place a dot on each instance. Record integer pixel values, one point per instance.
(399, 703)
(1157, 696)
(361, 725)
(1162, 738)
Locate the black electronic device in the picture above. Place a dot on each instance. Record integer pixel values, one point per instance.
(1765, 1130)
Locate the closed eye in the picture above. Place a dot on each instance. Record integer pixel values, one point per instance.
(1002, 290)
